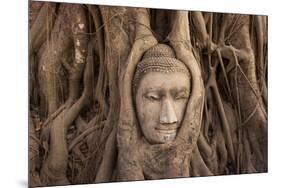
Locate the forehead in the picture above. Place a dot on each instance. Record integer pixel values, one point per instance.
(166, 81)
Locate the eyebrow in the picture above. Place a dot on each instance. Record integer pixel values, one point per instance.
(181, 90)
(153, 89)
(160, 91)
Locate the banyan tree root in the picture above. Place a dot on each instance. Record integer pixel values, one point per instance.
(247, 93)
(190, 129)
(100, 91)
(34, 150)
(41, 23)
(116, 51)
(127, 139)
(137, 161)
(244, 88)
(54, 167)
(241, 81)
(211, 86)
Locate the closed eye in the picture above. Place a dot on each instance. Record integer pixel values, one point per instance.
(181, 96)
(152, 97)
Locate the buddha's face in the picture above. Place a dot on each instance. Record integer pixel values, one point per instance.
(161, 100)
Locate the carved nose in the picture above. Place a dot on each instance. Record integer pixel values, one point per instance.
(168, 114)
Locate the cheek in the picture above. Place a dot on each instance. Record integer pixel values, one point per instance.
(180, 107)
(148, 112)
(152, 110)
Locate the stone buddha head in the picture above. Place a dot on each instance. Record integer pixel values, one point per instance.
(161, 88)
